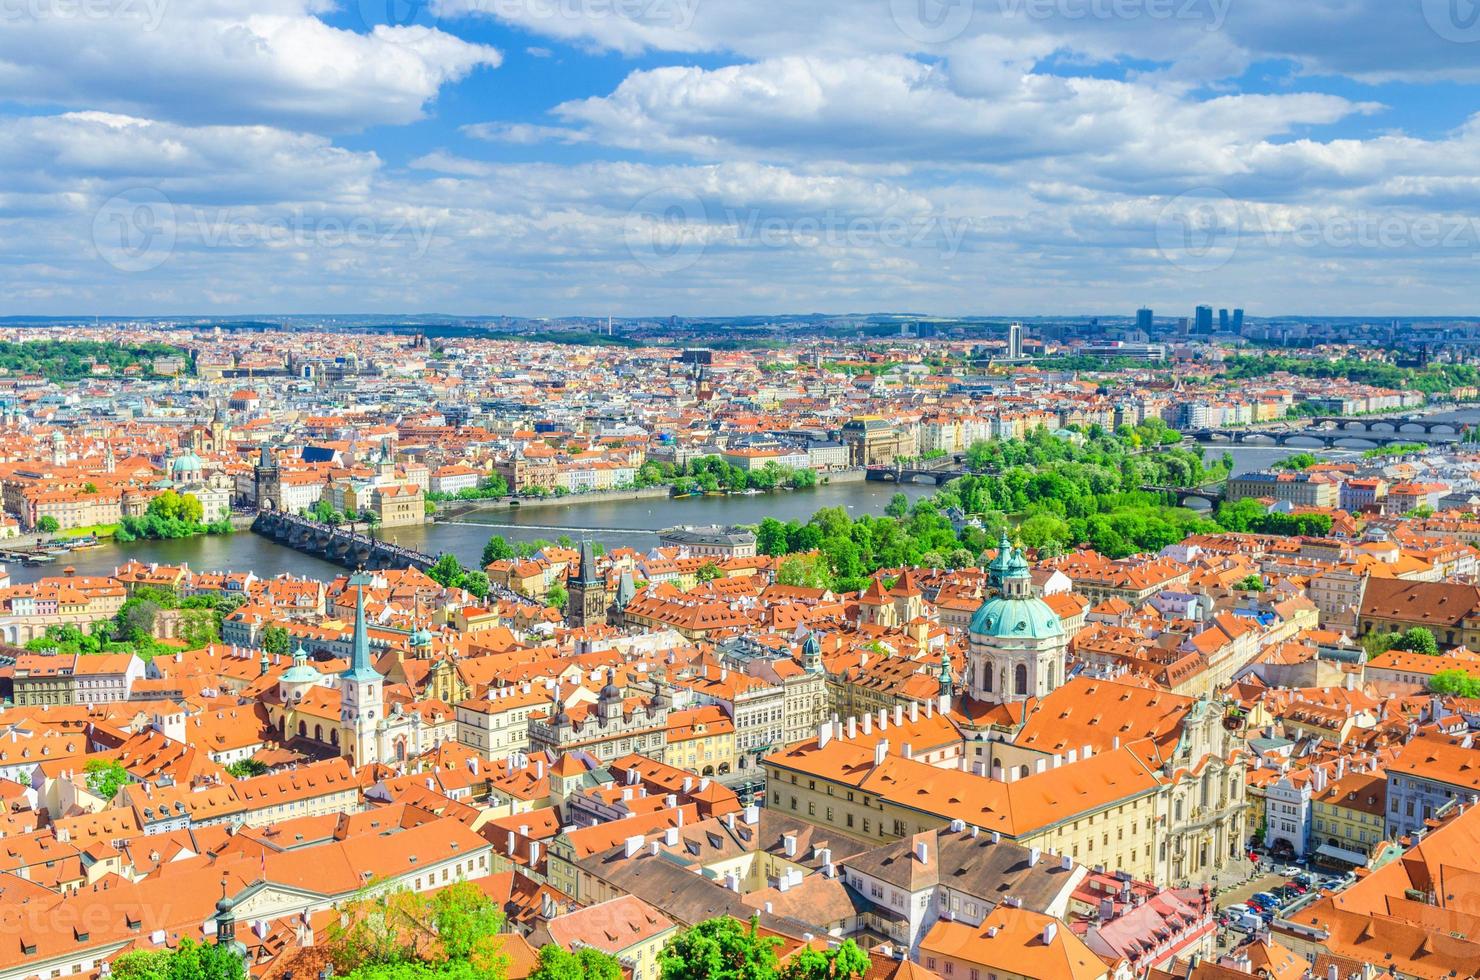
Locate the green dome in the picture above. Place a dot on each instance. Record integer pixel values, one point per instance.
(189, 462)
(1016, 619)
(300, 672)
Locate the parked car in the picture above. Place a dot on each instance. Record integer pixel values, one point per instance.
(1265, 898)
(1234, 911)
(1248, 922)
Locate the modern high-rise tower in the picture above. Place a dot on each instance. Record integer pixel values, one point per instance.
(1143, 320)
(1203, 320)
(1015, 341)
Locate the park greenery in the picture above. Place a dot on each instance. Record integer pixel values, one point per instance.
(1433, 379)
(132, 628)
(711, 474)
(1397, 449)
(1298, 461)
(489, 488)
(1050, 492)
(170, 515)
(73, 360)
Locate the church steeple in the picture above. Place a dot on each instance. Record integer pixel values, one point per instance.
(362, 698)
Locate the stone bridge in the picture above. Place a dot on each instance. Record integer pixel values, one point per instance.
(338, 544)
(1214, 493)
(1326, 438)
(940, 472)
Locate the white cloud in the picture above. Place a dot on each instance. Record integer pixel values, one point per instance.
(211, 62)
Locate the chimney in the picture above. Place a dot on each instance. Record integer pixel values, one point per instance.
(868, 723)
(881, 749)
(670, 837)
(908, 751)
(752, 815)
(922, 852)
(1049, 931)
(790, 842)
(883, 718)
(1066, 863)
(634, 844)
(534, 853)
(1033, 855)
(852, 728)
(824, 734)
(914, 711)
(899, 714)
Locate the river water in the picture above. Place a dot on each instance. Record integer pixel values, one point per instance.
(619, 523)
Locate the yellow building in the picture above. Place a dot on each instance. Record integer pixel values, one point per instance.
(887, 783)
(1347, 816)
(701, 740)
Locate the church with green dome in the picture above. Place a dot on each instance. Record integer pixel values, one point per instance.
(1017, 645)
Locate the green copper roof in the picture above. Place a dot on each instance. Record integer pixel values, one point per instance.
(1021, 619)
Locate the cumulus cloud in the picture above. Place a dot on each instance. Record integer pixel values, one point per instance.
(208, 62)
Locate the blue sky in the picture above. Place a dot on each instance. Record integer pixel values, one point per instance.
(650, 157)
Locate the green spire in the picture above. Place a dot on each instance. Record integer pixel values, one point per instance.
(360, 668)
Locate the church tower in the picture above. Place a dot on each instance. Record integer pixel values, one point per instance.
(1017, 646)
(361, 694)
(586, 602)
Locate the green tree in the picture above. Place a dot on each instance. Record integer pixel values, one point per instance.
(456, 927)
(708, 572)
(557, 597)
(497, 549)
(583, 964)
(447, 571)
(247, 768)
(1252, 583)
(275, 639)
(1417, 640)
(105, 777)
(1455, 682)
(189, 961)
(770, 537)
(842, 962)
(899, 506)
(808, 571)
(719, 949)
(477, 583)
(47, 524)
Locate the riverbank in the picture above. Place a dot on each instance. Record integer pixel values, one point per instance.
(459, 508)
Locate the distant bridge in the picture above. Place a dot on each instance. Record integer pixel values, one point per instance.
(1213, 493)
(337, 544)
(1411, 424)
(944, 471)
(1327, 438)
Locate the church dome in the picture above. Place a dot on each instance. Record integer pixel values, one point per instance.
(300, 672)
(1016, 619)
(187, 463)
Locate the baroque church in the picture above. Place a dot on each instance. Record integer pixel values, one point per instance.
(1017, 644)
(346, 714)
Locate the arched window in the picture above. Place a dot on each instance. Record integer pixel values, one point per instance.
(987, 678)
(303, 728)
(1022, 772)
(318, 733)
(1020, 679)
(334, 736)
